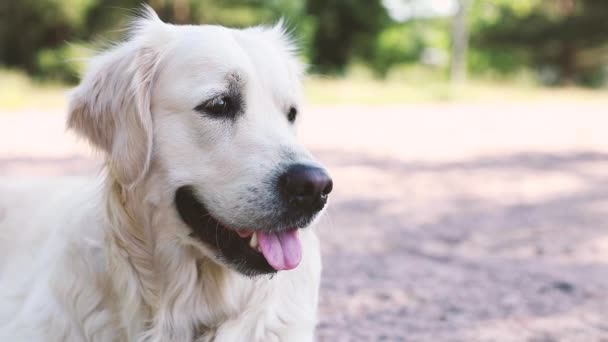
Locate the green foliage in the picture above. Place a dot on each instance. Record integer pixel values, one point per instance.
(507, 36)
(63, 64)
(34, 33)
(408, 43)
(552, 34)
(396, 45)
(593, 78)
(344, 29)
(502, 62)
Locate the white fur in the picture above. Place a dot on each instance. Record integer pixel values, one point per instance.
(110, 259)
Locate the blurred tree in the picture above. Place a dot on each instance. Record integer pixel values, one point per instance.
(27, 26)
(553, 33)
(397, 44)
(344, 28)
(460, 41)
(35, 34)
(565, 39)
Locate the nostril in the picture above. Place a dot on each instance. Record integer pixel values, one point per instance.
(328, 188)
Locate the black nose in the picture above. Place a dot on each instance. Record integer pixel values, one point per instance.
(305, 187)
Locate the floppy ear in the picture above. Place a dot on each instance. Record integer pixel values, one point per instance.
(111, 106)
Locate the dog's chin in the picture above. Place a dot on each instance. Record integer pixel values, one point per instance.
(249, 251)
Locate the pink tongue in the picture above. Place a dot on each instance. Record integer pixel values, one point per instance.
(282, 250)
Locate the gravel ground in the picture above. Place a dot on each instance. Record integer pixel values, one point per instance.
(448, 222)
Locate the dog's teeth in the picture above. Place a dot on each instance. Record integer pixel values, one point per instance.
(254, 241)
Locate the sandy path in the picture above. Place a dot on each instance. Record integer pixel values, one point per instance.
(463, 222)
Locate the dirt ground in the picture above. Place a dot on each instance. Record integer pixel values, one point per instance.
(448, 222)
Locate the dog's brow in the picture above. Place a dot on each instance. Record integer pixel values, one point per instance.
(235, 80)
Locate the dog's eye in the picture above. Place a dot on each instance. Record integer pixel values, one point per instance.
(219, 106)
(291, 115)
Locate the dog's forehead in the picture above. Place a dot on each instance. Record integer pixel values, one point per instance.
(207, 48)
(207, 53)
(274, 63)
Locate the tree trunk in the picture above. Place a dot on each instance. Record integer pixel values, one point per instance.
(460, 42)
(181, 11)
(567, 63)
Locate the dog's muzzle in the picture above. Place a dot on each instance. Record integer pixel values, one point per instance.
(271, 246)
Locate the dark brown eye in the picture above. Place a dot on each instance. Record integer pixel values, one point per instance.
(217, 106)
(222, 107)
(291, 115)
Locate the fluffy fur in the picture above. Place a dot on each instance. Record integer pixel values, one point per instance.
(110, 260)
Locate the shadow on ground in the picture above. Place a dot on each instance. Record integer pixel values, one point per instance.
(498, 248)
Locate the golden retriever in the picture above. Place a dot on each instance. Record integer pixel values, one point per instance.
(196, 231)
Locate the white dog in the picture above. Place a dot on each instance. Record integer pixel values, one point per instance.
(194, 232)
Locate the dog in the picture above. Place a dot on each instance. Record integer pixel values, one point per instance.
(199, 226)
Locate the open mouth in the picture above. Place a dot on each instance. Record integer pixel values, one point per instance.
(250, 251)
(282, 250)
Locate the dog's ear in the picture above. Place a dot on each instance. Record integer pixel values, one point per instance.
(281, 35)
(111, 106)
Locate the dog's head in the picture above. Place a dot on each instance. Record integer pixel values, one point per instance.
(215, 108)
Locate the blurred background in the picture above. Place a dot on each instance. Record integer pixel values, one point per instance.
(467, 140)
(416, 45)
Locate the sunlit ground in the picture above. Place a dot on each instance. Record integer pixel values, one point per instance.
(478, 216)
(18, 92)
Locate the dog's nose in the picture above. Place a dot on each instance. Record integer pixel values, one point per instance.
(306, 187)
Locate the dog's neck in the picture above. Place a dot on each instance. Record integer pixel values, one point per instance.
(130, 249)
(164, 275)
